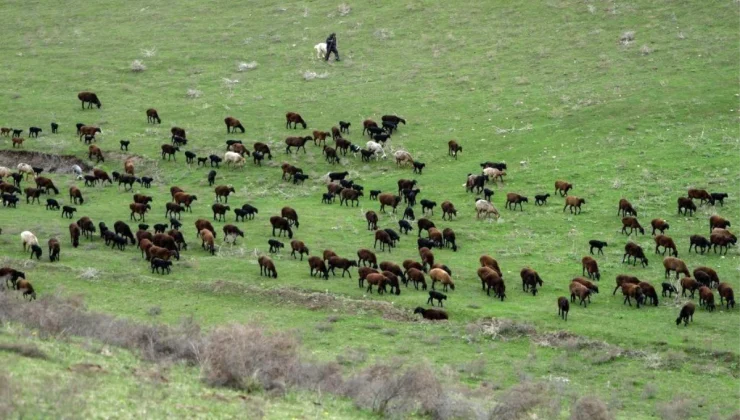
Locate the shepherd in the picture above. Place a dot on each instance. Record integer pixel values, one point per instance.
(331, 47)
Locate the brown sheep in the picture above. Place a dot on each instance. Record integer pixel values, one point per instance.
(659, 224)
(530, 280)
(448, 209)
(427, 258)
(388, 199)
(649, 292)
(282, 225)
(417, 277)
(89, 131)
(667, 243)
(367, 124)
(436, 236)
(625, 208)
(328, 253)
(94, 150)
(580, 291)
(424, 224)
(295, 119)
(178, 132)
(726, 294)
(152, 116)
(448, 235)
(487, 261)
(372, 220)
(89, 98)
(512, 199)
(589, 285)
(701, 195)
(174, 190)
(17, 142)
(623, 279)
(336, 132)
(185, 200)
(232, 124)
(25, 286)
(169, 151)
(563, 187)
(717, 221)
(406, 184)
(319, 136)
(75, 195)
(710, 275)
(674, 264)
(154, 251)
(439, 275)
(632, 291)
(384, 238)
(722, 238)
(224, 191)
(139, 209)
(317, 266)
(431, 314)
(590, 266)
(267, 267)
(574, 203)
(297, 142)
(706, 298)
(291, 215)
(299, 247)
(201, 224)
(687, 283)
(635, 252)
(631, 223)
(687, 312)
(563, 307)
(392, 281)
(128, 167)
(453, 148)
(289, 170)
(393, 268)
(687, 205)
(363, 272)
(142, 199)
(262, 148)
(367, 256)
(343, 263)
(54, 250)
(409, 264)
(334, 188)
(33, 193)
(144, 246)
(349, 195)
(74, 234)
(376, 279)
(46, 183)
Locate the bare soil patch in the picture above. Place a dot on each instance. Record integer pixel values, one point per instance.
(50, 163)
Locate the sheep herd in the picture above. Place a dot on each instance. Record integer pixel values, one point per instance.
(166, 243)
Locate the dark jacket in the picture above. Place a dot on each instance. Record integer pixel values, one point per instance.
(331, 42)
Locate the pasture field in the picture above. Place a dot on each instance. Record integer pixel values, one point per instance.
(557, 89)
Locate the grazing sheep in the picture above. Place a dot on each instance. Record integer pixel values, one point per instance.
(372, 220)
(290, 214)
(439, 275)
(343, 263)
(562, 187)
(702, 195)
(591, 266)
(449, 239)
(541, 199)
(686, 314)
(295, 119)
(375, 279)
(349, 195)
(596, 244)
(580, 291)
(219, 211)
(299, 247)
(232, 124)
(25, 286)
(224, 191)
(631, 223)
(416, 276)
(139, 209)
(75, 195)
(376, 150)
(668, 289)
(152, 116)
(674, 264)
(625, 208)
(698, 241)
(649, 292)
(53, 249)
(282, 224)
(490, 262)
(275, 245)
(249, 211)
(207, 241)
(563, 307)
(317, 266)
(431, 314)
(46, 184)
(408, 213)
(404, 226)
(486, 208)
(367, 256)
(633, 291)
(659, 224)
(726, 294)
(385, 240)
(448, 209)
(719, 197)
(490, 174)
(687, 283)
(263, 149)
(587, 284)
(512, 199)
(393, 119)
(687, 205)
(706, 298)
(89, 98)
(403, 157)
(52, 204)
(530, 280)
(344, 127)
(87, 227)
(185, 200)
(574, 203)
(235, 158)
(36, 251)
(635, 252)
(722, 238)
(667, 243)
(160, 264)
(388, 199)
(28, 239)
(34, 194)
(453, 148)
(711, 276)
(435, 295)
(267, 267)
(717, 221)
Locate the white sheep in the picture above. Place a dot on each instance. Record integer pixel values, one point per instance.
(403, 157)
(29, 240)
(376, 148)
(4, 172)
(493, 173)
(320, 50)
(235, 158)
(27, 169)
(484, 207)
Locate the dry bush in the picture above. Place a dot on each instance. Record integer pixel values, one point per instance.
(518, 401)
(193, 93)
(678, 409)
(627, 37)
(137, 66)
(590, 408)
(352, 356)
(26, 350)
(343, 9)
(243, 66)
(149, 52)
(474, 368)
(311, 75)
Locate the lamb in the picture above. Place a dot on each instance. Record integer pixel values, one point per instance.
(449, 239)
(404, 226)
(633, 291)
(540, 200)
(687, 205)
(408, 213)
(25, 286)
(36, 251)
(512, 199)
(668, 289)
(625, 208)
(580, 291)
(344, 126)
(562, 187)
(589, 265)
(320, 49)
(160, 264)
(574, 203)
(659, 224)
(719, 197)
(439, 275)
(376, 149)
(667, 243)
(34, 132)
(418, 167)
(34, 194)
(431, 314)
(435, 295)
(563, 307)
(52, 204)
(631, 223)
(320, 136)
(17, 142)
(486, 208)
(598, 245)
(674, 264)
(275, 245)
(632, 250)
(219, 211)
(68, 211)
(453, 148)
(687, 312)
(726, 294)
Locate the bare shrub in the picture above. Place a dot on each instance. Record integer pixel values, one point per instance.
(311, 75)
(645, 50)
(474, 368)
(352, 356)
(137, 66)
(90, 273)
(627, 37)
(149, 52)
(590, 408)
(343, 9)
(678, 409)
(25, 350)
(519, 400)
(193, 93)
(243, 66)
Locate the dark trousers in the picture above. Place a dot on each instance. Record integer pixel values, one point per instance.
(329, 50)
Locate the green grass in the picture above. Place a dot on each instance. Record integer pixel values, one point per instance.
(545, 83)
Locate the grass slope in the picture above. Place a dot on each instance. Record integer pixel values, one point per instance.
(545, 83)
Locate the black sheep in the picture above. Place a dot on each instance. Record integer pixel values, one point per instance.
(275, 245)
(189, 157)
(146, 181)
(36, 250)
(408, 213)
(202, 161)
(418, 167)
(158, 264)
(425, 243)
(214, 159)
(487, 194)
(68, 211)
(160, 227)
(598, 245)
(374, 194)
(718, 197)
(668, 289)
(54, 128)
(299, 178)
(327, 198)
(10, 200)
(404, 226)
(34, 131)
(435, 295)
(540, 199)
(428, 205)
(125, 144)
(175, 224)
(52, 204)
(250, 211)
(336, 176)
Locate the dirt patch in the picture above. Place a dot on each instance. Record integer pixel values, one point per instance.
(50, 163)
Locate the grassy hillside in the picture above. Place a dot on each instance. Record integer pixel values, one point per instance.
(547, 87)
